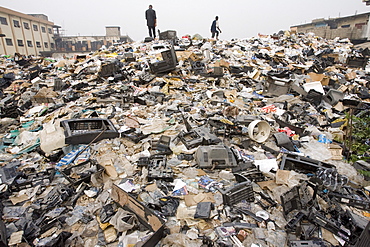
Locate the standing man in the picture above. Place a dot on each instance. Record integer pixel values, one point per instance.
(215, 29)
(151, 21)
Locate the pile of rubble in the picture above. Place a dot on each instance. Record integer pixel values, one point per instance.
(254, 142)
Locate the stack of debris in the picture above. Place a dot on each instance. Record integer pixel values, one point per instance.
(255, 142)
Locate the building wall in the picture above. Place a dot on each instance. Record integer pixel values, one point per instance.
(352, 27)
(34, 35)
(28, 36)
(113, 31)
(18, 34)
(8, 31)
(326, 32)
(87, 43)
(25, 39)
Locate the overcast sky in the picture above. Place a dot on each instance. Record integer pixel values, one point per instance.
(238, 19)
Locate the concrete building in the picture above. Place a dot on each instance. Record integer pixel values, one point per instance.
(355, 27)
(73, 44)
(25, 34)
(34, 34)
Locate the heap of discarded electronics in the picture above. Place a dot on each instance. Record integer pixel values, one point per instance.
(187, 143)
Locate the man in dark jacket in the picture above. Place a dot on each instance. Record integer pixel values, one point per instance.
(151, 21)
(215, 29)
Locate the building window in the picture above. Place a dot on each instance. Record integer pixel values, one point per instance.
(16, 23)
(9, 42)
(49, 31)
(3, 21)
(43, 29)
(320, 25)
(29, 43)
(20, 42)
(26, 25)
(38, 44)
(359, 25)
(333, 25)
(35, 28)
(52, 45)
(345, 26)
(46, 44)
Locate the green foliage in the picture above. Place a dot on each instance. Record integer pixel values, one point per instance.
(365, 173)
(360, 138)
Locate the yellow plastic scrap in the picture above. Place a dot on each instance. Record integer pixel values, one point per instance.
(366, 214)
(226, 121)
(172, 80)
(341, 120)
(165, 89)
(295, 137)
(167, 80)
(102, 226)
(111, 55)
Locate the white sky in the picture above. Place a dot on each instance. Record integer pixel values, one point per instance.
(238, 19)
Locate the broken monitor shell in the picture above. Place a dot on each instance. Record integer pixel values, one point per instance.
(215, 156)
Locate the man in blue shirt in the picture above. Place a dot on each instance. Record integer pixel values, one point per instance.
(215, 29)
(151, 21)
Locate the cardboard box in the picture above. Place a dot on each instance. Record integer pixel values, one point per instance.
(333, 55)
(183, 55)
(195, 57)
(336, 152)
(350, 76)
(319, 77)
(145, 215)
(342, 88)
(316, 77)
(222, 63)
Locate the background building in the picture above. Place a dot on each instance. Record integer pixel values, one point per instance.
(25, 34)
(34, 34)
(68, 44)
(355, 27)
